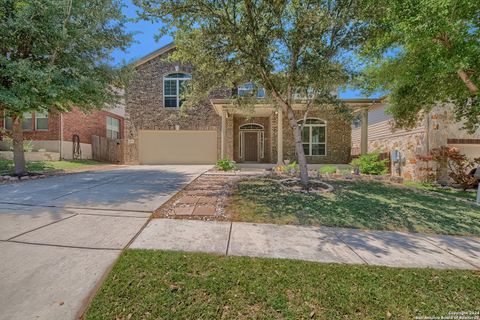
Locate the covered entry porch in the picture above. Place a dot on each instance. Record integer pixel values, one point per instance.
(253, 136)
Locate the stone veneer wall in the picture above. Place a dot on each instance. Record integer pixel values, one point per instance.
(432, 132)
(144, 108)
(338, 138)
(410, 145)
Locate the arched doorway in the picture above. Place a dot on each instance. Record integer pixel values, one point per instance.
(252, 145)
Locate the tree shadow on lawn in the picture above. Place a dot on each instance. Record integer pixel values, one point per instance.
(364, 205)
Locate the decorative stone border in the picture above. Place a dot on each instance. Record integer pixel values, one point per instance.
(8, 178)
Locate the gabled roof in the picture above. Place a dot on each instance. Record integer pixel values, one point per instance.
(154, 54)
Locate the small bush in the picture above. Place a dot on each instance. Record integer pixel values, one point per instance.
(328, 169)
(370, 163)
(290, 169)
(226, 164)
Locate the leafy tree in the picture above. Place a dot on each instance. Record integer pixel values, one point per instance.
(55, 54)
(285, 47)
(426, 52)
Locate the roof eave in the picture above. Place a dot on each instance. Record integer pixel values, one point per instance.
(166, 48)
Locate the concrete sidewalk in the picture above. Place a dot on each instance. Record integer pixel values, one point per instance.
(321, 244)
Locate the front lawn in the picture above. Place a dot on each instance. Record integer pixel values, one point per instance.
(148, 284)
(6, 166)
(355, 204)
(470, 195)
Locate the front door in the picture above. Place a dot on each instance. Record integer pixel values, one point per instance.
(250, 141)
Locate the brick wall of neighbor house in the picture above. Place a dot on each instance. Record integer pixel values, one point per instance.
(53, 132)
(145, 106)
(88, 124)
(338, 138)
(266, 123)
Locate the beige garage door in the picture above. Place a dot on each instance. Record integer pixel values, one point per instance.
(177, 147)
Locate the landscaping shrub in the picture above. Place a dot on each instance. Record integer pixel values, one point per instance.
(226, 164)
(290, 169)
(459, 165)
(370, 163)
(328, 169)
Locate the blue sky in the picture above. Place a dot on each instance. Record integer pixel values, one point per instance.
(145, 43)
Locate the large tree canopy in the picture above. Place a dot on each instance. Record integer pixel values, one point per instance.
(286, 47)
(425, 53)
(55, 54)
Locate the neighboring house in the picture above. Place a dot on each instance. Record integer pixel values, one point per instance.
(54, 132)
(437, 129)
(157, 133)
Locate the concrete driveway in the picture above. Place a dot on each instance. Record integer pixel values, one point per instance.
(58, 236)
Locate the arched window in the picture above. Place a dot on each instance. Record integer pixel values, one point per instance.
(173, 86)
(314, 138)
(251, 126)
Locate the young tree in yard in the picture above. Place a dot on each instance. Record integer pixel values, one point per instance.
(286, 47)
(426, 52)
(55, 54)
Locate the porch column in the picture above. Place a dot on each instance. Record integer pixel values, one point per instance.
(280, 136)
(223, 134)
(364, 131)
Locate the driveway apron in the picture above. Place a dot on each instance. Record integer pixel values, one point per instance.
(58, 236)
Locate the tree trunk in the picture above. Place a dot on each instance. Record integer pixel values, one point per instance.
(18, 155)
(468, 82)
(297, 136)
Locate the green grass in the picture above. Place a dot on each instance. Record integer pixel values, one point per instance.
(148, 284)
(6, 166)
(448, 191)
(355, 204)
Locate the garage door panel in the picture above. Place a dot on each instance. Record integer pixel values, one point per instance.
(177, 147)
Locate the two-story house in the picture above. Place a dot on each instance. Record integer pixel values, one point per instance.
(158, 134)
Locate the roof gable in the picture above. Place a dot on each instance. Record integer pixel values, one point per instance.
(154, 54)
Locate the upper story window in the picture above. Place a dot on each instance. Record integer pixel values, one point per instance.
(113, 128)
(314, 137)
(41, 121)
(173, 87)
(248, 89)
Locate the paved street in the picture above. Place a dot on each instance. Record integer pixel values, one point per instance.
(321, 244)
(58, 236)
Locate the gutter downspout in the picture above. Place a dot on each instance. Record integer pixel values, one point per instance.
(61, 136)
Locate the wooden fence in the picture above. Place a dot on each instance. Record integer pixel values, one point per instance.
(109, 150)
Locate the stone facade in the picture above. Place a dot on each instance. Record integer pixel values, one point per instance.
(338, 138)
(145, 111)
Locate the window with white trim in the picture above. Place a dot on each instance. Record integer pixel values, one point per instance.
(173, 87)
(113, 128)
(41, 121)
(27, 121)
(8, 123)
(314, 137)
